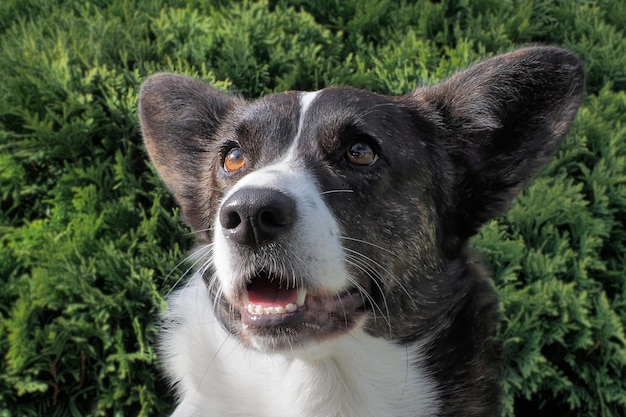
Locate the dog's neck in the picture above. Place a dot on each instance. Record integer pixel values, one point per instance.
(345, 377)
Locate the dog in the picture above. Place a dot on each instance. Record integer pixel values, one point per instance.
(333, 275)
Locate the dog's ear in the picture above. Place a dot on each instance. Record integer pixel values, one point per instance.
(179, 118)
(501, 120)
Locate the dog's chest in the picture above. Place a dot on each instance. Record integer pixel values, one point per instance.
(364, 376)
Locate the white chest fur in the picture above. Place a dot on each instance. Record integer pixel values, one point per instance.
(354, 376)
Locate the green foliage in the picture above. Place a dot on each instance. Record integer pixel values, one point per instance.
(90, 241)
(560, 266)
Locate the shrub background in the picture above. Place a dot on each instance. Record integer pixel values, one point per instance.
(90, 241)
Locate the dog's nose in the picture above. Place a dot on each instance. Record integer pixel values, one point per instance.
(252, 216)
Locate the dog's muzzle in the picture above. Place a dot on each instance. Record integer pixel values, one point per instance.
(274, 299)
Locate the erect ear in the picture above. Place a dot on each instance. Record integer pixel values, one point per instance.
(179, 118)
(501, 120)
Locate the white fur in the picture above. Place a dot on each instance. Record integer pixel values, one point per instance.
(353, 376)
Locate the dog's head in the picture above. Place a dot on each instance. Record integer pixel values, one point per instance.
(339, 208)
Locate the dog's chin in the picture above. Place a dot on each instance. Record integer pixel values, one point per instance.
(312, 319)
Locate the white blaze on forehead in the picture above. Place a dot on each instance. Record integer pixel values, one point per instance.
(306, 99)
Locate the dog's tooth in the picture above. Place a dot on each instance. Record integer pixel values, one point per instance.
(254, 309)
(301, 297)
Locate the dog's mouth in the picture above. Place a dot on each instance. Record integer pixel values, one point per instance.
(266, 296)
(272, 307)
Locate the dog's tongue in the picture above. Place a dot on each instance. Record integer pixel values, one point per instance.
(266, 293)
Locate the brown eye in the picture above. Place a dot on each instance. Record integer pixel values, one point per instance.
(234, 160)
(361, 153)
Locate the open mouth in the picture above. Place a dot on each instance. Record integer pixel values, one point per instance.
(266, 296)
(270, 303)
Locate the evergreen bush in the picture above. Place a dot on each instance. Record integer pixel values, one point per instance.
(90, 241)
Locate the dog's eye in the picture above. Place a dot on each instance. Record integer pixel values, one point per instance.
(234, 160)
(360, 153)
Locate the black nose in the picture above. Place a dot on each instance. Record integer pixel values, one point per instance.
(252, 216)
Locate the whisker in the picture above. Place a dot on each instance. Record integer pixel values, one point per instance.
(336, 191)
(370, 244)
(356, 263)
(195, 254)
(290, 268)
(368, 259)
(392, 276)
(213, 288)
(406, 372)
(371, 109)
(195, 232)
(343, 308)
(219, 349)
(198, 255)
